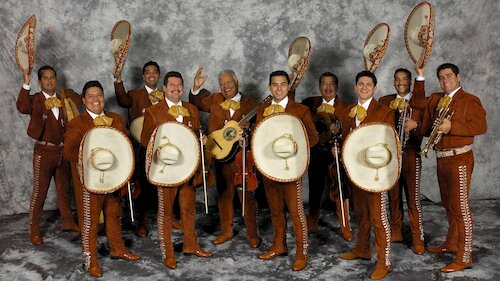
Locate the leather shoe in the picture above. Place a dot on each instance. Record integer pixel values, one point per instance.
(442, 249)
(128, 256)
(36, 239)
(453, 267)
(199, 253)
(170, 263)
(222, 238)
(95, 270)
(352, 256)
(418, 249)
(271, 254)
(142, 231)
(254, 242)
(379, 273)
(299, 263)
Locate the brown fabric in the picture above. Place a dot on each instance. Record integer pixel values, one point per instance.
(137, 100)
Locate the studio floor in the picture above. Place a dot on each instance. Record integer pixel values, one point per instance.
(59, 258)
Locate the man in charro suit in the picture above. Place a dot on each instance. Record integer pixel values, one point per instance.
(93, 203)
(288, 194)
(229, 104)
(321, 157)
(411, 169)
(455, 160)
(370, 208)
(46, 126)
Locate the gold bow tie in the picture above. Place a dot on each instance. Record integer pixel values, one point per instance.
(103, 120)
(326, 108)
(359, 112)
(443, 102)
(229, 103)
(398, 103)
(53, 102)
(156, 96)
(178, 110)
(273, 108)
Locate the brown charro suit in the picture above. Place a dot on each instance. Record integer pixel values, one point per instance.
(208, 102)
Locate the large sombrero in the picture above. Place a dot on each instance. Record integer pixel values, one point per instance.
(419, 33)
(172, 155)
(375, 46)
(298, 59)
(120, 43)
(25, 45)
(136, 128)
(280, 147)
(105, 160)
(372, 158)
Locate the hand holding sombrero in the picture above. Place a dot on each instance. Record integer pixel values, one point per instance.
(26, 45)
(120, 44)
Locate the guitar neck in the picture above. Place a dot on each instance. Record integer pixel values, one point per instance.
(252, 113)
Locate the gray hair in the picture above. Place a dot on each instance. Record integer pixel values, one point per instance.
(230, 72)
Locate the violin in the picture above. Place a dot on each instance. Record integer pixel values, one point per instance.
(251, 182)
(197, 180)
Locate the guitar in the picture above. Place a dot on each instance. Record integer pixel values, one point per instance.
(223, 143)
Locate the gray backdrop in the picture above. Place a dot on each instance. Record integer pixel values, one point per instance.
(252, 38)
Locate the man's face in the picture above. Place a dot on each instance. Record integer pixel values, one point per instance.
(48, 81)
(402, 83)
(279, 88)
(448, 80)
(327, 88)
(228, 86)
(151, 76)
(174, 89)
(94, 100)
(365, 88)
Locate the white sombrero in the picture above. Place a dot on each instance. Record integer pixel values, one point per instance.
(120, 43)
(372, 158)
(280, 147)
(105, 160)
(25, 45)
(419, 33)
(298, 59)
(375, 46)
(136, 128)
(172, 155)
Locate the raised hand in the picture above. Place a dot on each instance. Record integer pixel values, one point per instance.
(26, 76)
(199, 79)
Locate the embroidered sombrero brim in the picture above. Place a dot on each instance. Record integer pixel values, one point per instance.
(26, 45)
(120, 44)
(298, 59)
(376, 46)
(419, 33)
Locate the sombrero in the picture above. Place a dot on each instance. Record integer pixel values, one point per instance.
(25, 45)
(419, 33)
(372, 157)
(375, 46)
(172, 155)
(298, 59)
(120, 43)
(105, 160)
(136, 128)
(280, 147)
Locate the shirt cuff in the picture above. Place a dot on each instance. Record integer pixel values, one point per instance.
(420, 78)
(195, 92)
(26, 87)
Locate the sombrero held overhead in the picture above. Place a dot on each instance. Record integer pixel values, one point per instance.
(375, 46)
(25, 45)
(298, 59)
(419, 33)
(120, 43)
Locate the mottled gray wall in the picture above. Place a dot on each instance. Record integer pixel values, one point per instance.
(252, 38)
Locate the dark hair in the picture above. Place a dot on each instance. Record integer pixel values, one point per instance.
(150, 63)
(408, 73)
(453, 68)
(329, 74)
(90, 84)
(172, 74)
(45, 67)
(366, 73)
(279, 73)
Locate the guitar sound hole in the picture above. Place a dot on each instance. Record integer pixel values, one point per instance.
(229, 134)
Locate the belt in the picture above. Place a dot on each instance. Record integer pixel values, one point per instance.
(49, 143)
(453, 151)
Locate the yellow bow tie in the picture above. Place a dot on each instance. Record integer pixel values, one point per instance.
(443, 102)
(398, 103)
(326, 108)
(273, 108)
(156, 96)
(229, 103)
(359, 112)
(178, 110)
(103, 120)
(53, 102)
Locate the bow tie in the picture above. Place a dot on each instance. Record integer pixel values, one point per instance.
(156, 96)
(443, 102)
(273, 108)
(103, 120)
(178, 110)
(53, 102)
(229, 103)
(326, 108)
(398, 103)
(359, 112)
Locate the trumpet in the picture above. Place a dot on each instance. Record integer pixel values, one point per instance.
(404, 114)
(436, 135)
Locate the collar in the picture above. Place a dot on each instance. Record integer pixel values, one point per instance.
(454, 92)
(237, 97)
(331, 102)
(283, 102)
(366, 104)
(170, 103)
(148, 89)
(47, 96)
(93, 115)
(407, 97)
